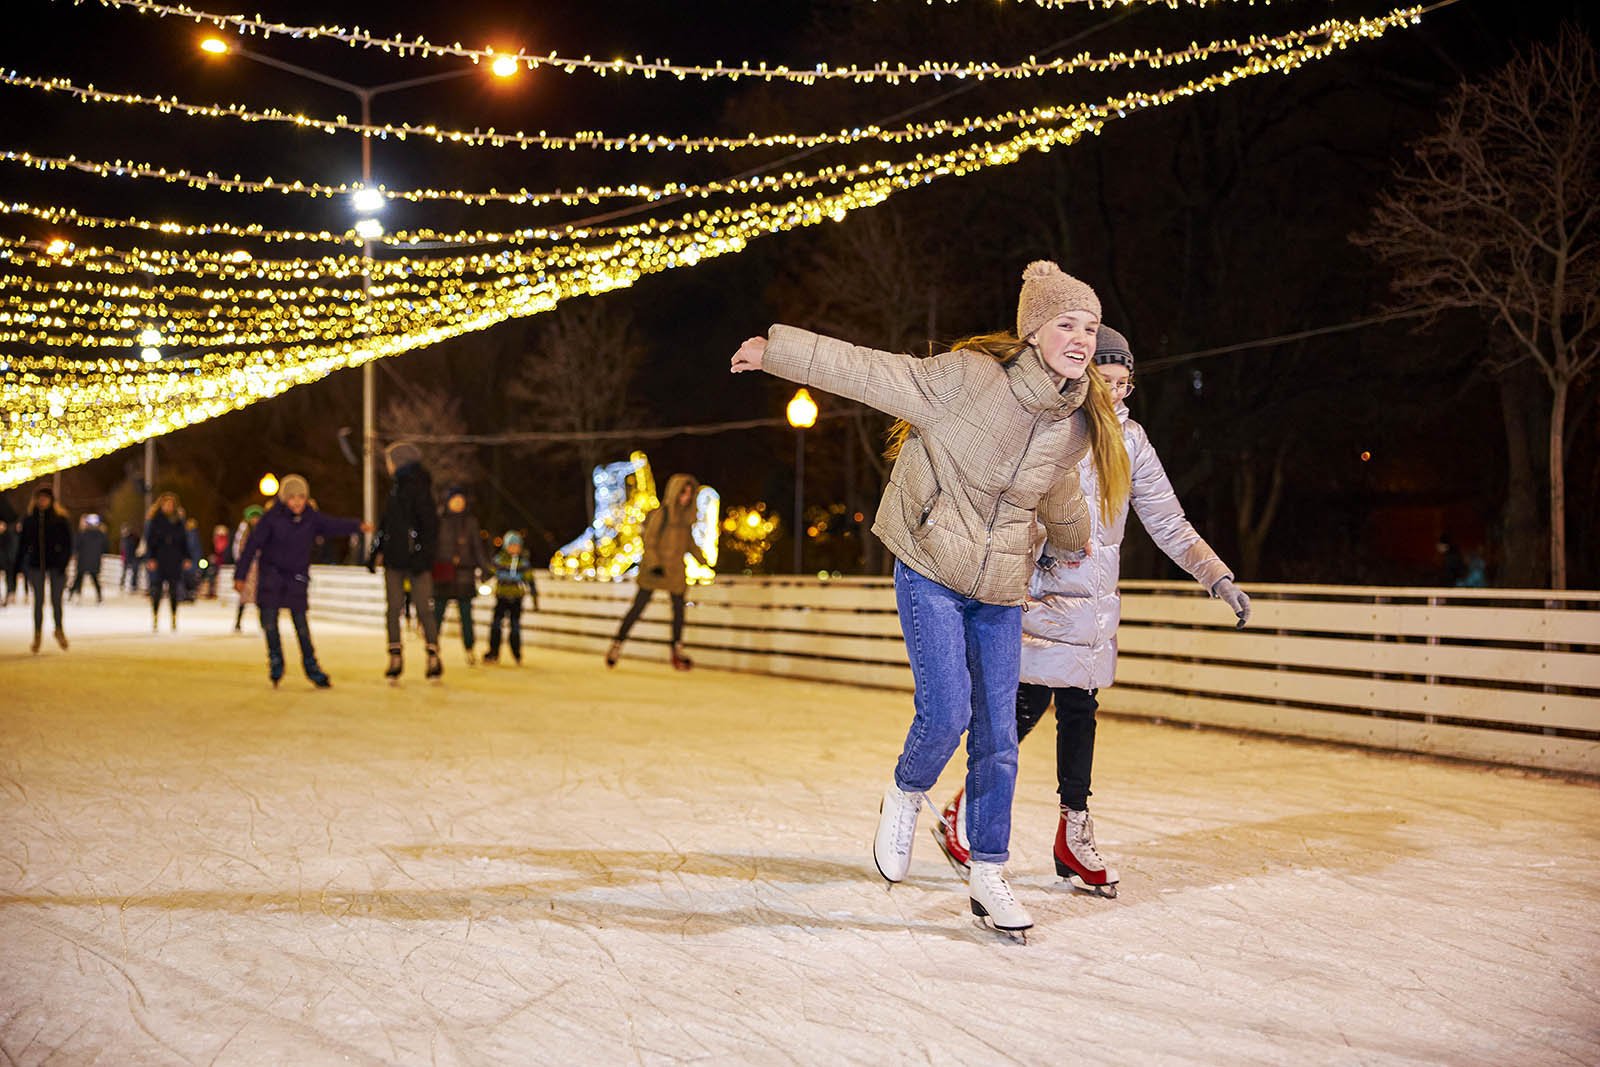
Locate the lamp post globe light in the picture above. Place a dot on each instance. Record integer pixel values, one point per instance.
(268, 484)
(802, 412)
(367, 201)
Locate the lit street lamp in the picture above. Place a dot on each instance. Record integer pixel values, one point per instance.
(802, 412)
(268, 485)
(367, 201)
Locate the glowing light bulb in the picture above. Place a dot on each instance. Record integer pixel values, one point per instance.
(368, 201)
(215, 45)
(268, 485)
(57, 247)
(504, 67)
(150, 338)
(369, 229)
(802, 410)
(150, 355)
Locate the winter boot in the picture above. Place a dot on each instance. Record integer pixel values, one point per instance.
(951, 833)
(897, 825)
(993, 901)
(613, 653)
(61, 639)
(435, 666)
(396, 665)
(680, 662)
(1077, 858)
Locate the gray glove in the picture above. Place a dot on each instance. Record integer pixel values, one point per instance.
(1235, 598)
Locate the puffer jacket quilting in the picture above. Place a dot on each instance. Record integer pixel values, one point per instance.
(1069, 636)
(993, 449)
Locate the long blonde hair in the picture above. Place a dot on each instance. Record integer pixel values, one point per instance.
(1113, 475)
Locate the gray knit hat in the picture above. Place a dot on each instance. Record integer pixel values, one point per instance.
(1111, 347)
(293, 485)
(402, 452)
(1048, 291)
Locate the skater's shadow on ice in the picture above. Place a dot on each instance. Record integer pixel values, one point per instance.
(1351, 842)
(682, 893)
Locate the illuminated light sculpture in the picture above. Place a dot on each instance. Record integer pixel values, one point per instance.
(613, 545)
(750, 531)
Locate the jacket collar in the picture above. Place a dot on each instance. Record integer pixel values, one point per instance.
(1035, 388)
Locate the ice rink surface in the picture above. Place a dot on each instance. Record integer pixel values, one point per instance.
(557, 864)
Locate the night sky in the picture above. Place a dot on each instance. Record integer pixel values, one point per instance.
(1306, 157)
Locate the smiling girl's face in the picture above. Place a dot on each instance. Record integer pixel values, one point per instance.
(1066, 343)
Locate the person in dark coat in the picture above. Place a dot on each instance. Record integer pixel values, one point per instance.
(8, 548)
(460, 559)
(90, 550)
(166, 556)
(407, 542)
(281, 547)
(43, 551)
(130, 558)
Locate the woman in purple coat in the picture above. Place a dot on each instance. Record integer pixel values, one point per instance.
(281, 546)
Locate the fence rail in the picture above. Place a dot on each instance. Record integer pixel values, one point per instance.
(1508, 676)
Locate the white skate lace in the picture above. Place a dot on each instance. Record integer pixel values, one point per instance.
(996, 888)
(906, 825)
(1082, 841)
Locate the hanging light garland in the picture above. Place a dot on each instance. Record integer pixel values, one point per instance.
(62, 410)
(818, 73)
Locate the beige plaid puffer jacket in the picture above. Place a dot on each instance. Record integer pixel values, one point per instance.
(992, 446)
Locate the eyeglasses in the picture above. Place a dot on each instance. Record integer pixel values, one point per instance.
(1123, 388)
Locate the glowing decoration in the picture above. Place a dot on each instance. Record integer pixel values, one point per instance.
(751, 532)
(613, 545)
(215, 45)
(893, 73)
(57, 247)
(368, 201)
(150, 354)
(802, 410)
(150, 338)
(369, 229)
(268, 485)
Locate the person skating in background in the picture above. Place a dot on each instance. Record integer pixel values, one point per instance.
(668, 536)
(128, 544)
(513, 579)
(1069, 633)
(166, 556)
(90, 549)
(461, 558)
(989, 439)
(406, 546)
(281, 549)
(194, 572)
(241, 537)
(221, 555)
(44, 548)
(9, 540)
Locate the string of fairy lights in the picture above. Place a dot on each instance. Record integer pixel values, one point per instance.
(227, 327)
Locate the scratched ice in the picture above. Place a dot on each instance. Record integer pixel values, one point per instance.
(557, 864)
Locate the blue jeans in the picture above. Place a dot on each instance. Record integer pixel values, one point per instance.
(302, 633)
(966, 660)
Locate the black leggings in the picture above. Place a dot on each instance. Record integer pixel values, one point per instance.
(1075, 725)
(637, 609)
(174, 587)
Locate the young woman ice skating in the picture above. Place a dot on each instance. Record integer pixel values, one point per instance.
(166, 554)
(407, 540)
(1069, 633)
(280, 547)
(456, 568)
(993, 432)
(668, 536)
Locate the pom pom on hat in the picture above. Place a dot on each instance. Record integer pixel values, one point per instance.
(1048, 291)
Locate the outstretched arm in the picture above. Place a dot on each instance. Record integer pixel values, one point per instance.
(916, 390)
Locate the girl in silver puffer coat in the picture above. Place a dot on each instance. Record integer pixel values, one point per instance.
(1069, 639)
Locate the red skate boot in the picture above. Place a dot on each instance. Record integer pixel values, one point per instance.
(951, 834)
(1077, 858)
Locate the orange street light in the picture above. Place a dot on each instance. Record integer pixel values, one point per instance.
(268, 485)
(504, 66)
(215, 45)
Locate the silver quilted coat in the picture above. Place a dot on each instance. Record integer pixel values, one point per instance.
(1069, 634)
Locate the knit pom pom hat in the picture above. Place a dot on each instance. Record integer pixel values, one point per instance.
(1048, 291)
(293, 485)
(1111, 347)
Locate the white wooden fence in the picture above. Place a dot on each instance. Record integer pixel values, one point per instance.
(1509, 676)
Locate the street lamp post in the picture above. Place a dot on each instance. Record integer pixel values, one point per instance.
(367, 227)
(802, 412)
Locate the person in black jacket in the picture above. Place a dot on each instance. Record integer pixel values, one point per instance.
(44, 550)
(166, 554)
(407, 540)
(90, 550)
(8, 549)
